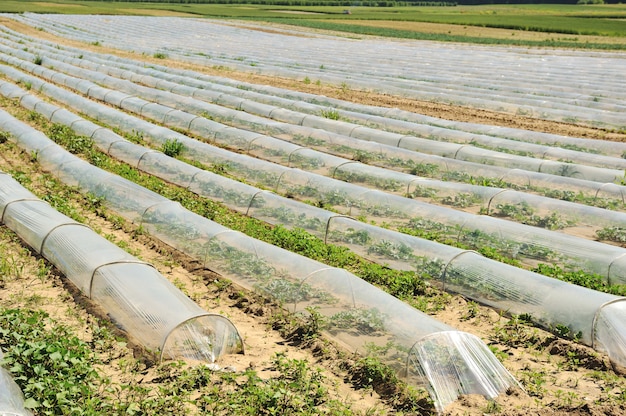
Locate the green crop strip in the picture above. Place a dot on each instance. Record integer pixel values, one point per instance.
(408, 34)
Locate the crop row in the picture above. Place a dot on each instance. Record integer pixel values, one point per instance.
(565, 86)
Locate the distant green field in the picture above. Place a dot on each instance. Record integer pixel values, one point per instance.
(605, 23)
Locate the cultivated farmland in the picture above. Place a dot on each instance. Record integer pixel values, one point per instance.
(496, 175)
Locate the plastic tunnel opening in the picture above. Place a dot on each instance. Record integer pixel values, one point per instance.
(609, 332)
(450, 364)
(202, 338)
(135, 296)
(11, 397)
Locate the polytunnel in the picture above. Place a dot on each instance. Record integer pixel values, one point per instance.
(255, 137)
(415, 69)
(515, 176)
(359, 313)
(134, 294)
(308, 125)
(603, 324)
(218, 90)
(519, 240)
(379, 154)
(480, 278)
(394, 119)
(11, 397)
(454, 269)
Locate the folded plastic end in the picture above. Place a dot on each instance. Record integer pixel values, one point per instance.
(11, 398)
(609, 333)
(451, 364)
(203, 338)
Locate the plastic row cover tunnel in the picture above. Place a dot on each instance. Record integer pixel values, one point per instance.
(360, 314)
(261, 100)
(337, 134)
(11, 397)
(134, 294)
(466, 257)
(266, 96)
(264, 146)
(272, 149)
(525, 241)
(420, 69)
(498, 285)
(344, 169)
(315, 104)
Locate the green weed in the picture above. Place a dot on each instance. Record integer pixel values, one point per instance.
(172, 148)
(330, 113)
(55, 369)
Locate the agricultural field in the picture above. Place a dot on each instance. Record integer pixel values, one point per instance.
(574, 26)
(300, 160)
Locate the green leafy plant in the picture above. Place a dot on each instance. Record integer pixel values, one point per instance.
(330, 113)
(361, 321)
(55, 369)
(534, 382)
(612, 233)
(390, 250)
(517, 332)
(173, 147)
(462, 200)
(66, 137)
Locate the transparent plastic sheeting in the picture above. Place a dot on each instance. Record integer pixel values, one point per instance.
(559, 85)
(254, 96)
(522, 241)
(134, 294)
(298, 156)
(280, 104)
(11, 397)
(212, 88)
(384, 155)
(307, 125)
(334, 136)
(455, 269)
(360, 314)
(490, 282)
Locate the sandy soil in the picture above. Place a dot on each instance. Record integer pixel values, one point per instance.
(484, 32)
(585, 386)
